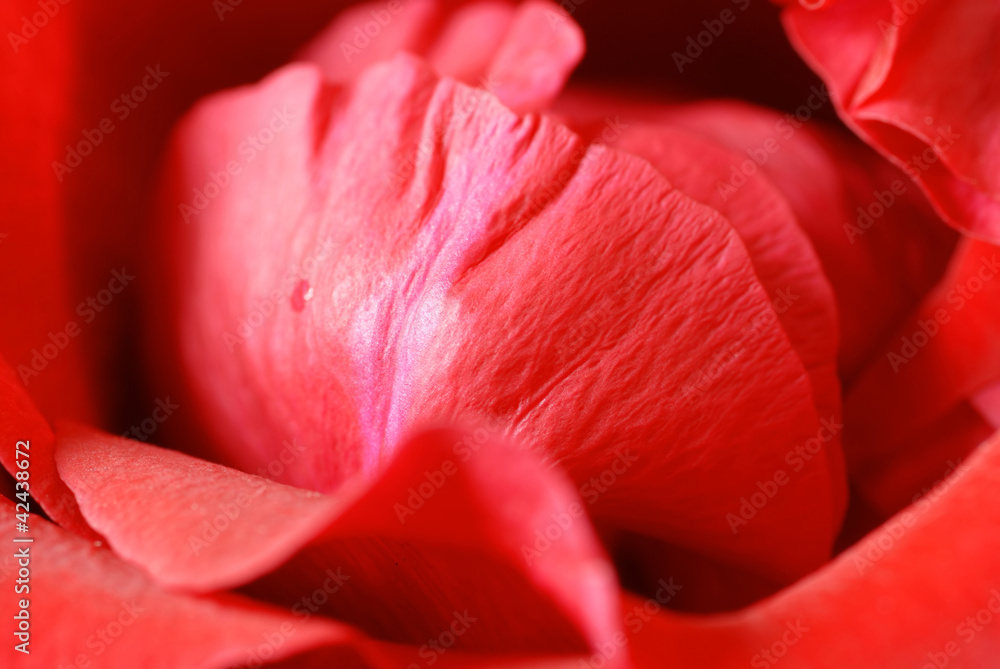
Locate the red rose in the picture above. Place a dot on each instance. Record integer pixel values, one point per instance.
(474, 364)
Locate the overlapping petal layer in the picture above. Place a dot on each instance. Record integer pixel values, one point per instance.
(782, 255)
(20, 422)
(522, 53)
(87, 608)
(83, 126)
(449, 293)
(459, 533)
(359, 262)
(881, 246)
(921, 591)
(911, 417)
(920, 81)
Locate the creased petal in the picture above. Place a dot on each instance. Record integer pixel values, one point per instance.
(782, 254)
(454, 509)
(434, 257)
(921, 83)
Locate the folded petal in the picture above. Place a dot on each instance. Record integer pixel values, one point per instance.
(882, 603)
(195, 494)
(891, 67)
(20, 422)
(396, 556)
(522, 53)
(408, 251)
(910, 411)
(85, 607)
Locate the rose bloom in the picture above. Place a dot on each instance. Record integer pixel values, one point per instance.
(476, 334)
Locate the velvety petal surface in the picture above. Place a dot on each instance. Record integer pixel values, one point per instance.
(782, 255)
(88, 608)
(149, 482)
(920, 81)
(459, 530)
(881, 246)
(920, 591)
(427, 255)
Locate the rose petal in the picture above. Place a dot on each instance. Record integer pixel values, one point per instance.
(34, 293)
(539, 52)
(890, 479)
(891, 66)
(880, 245)
(882, 603)
(522, 53)
(20, 421)
(782, 255)
(913, 397)
(93, 56)
(87, 606)
(448, 512)
(449, 259)
(987, 403)
(470, 39)
(344, 49)
(151, 483)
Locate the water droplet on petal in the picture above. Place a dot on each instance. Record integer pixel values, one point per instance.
(302, 293)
